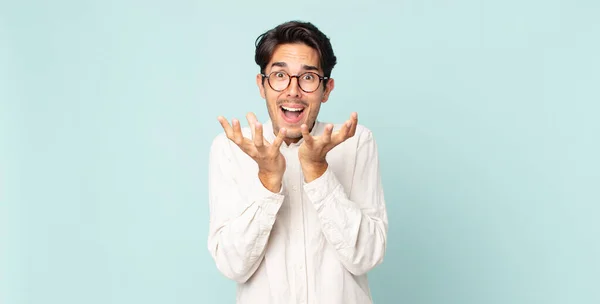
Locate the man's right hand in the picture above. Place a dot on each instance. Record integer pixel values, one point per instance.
(271, 163)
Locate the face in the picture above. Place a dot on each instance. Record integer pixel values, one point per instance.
(292, 107)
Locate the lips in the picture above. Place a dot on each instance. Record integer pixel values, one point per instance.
(292, 113)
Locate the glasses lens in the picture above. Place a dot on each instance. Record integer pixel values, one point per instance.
(279, 80)
(309, 81)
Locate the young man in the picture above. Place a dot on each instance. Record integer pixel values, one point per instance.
(297, 211)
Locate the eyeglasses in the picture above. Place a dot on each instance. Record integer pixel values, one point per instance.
(308, 82)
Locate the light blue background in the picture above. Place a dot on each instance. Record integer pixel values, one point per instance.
(486, 114)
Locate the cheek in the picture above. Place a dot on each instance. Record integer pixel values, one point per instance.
(315, 103)
(272, 95)
(271, 99)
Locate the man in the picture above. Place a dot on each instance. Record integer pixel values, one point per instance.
(297, 211)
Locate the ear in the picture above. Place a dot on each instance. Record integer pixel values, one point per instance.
(259, 83)
(328, 88)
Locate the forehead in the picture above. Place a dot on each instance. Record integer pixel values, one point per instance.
(295, 56)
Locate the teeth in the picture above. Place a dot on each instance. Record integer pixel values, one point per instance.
(292, 109)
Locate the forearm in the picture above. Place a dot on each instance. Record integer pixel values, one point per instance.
(271, 181)
(240, 220)
(238, 244)
(313, 170)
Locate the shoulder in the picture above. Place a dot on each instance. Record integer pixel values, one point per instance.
(365, 139)
(220, 141)
(363, 132)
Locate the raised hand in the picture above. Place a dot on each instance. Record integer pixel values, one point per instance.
(271, 163)
(313, 151)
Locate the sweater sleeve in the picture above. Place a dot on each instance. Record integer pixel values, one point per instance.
(240, 224)
(355, 224)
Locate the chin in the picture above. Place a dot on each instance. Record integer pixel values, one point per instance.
(293, 134)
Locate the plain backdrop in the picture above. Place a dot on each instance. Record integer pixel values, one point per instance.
(485, 112)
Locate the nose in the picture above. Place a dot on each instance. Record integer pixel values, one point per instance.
(294, 88)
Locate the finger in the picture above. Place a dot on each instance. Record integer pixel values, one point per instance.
(258, 137)
(251, 117)
(308, 139)
(238, 138)
(326, 137)
(354, 120)
(251, 123)
(226, 127)
(279, 139)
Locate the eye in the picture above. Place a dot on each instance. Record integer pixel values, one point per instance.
(279, 75)
(309, 77)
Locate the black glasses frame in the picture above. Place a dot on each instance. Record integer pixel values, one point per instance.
(321, 78)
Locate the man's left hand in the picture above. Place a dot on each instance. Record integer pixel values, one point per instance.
(314, 149)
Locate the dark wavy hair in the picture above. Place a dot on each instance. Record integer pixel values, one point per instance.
(295, 32)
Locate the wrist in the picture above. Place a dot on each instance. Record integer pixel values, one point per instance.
(271, 181)
(313, 170)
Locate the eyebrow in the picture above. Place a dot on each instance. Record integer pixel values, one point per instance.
(304, 66)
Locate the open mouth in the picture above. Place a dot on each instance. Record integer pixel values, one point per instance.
(292, 113)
